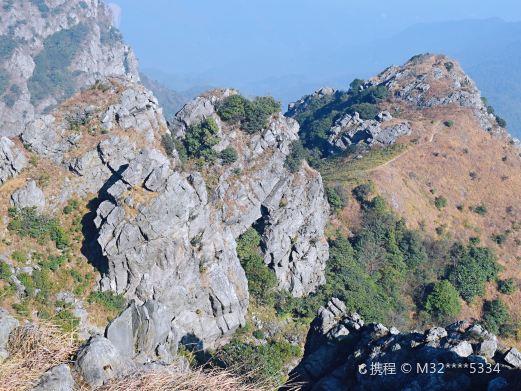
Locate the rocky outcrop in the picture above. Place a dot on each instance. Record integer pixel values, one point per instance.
(40, 72)
(58, 378)
(342, 352)
(351, 129)
(29, 196)
(12, 159)
(430, 80)
(170, 240)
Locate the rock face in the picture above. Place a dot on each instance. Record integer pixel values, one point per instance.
(344, 353)
(12, 159)
(54, 49)
(429, 80)
(170, 240)
(29, 196)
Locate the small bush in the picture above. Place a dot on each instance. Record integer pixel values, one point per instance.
(258, 363)
(495, 316)
(448, 123)
(294, 159)
(19, 256)
(507, 286)
(66, 320)
(228, 155)
(200, 140)
(362, 192)
(335, 197)
(440, 202)
(480, 209)
(501, 122)
(232, 108)
(71, 206)
(5, 271)
(261, 280)
(443, 301)
(449, 66)
(109, 300)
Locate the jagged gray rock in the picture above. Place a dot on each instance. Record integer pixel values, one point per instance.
(7, 325)
(30, 28)
(12, 160)
(29, 196)
(99, 361)
(57, 378)
(342, 353)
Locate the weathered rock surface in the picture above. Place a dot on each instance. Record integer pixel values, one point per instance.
(351, 129)
(99, 361)
(12, 159)
(343, 353)
(429, 80)
(58, 378)
(7, 325)
(93, 48)
(170, 241)
(29, 196)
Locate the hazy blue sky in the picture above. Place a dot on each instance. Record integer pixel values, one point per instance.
(190, 36)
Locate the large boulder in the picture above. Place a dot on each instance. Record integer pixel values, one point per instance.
(12, 159)
(58, 378)
(99, 361)
(29, 196)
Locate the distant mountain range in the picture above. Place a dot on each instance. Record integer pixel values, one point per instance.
(487, 49)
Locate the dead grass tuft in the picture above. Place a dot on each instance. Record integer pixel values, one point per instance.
(35, 348)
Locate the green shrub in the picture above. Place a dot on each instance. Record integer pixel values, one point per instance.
(335, 197)
(66, 320)
(294, 159)
(5, 271)
(449, 66)
(19, 256)
(362, 192)
(440, 202)
(501, 122)
(71, 206)
(252, 115)
(27, 222)
(448, 123)
(480, 209)
(262, 282)
(507, 286)
(473, 267)
(228, 155)
(258, 334)
(109, 300)
(42, 281)
(499, 238)
(200, 140)
(27, 282)
(53, 262)
(232, 108)
(258, 363)
(495, 316)
(443, 301)
(366, 110)
(51, 75)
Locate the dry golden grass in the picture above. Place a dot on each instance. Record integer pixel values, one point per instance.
(192, 380)
(34, 349)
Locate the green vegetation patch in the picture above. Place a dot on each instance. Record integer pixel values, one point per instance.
(443, 302)
(51, 76)
(252, 115)
(109, 300)
(27, 222)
